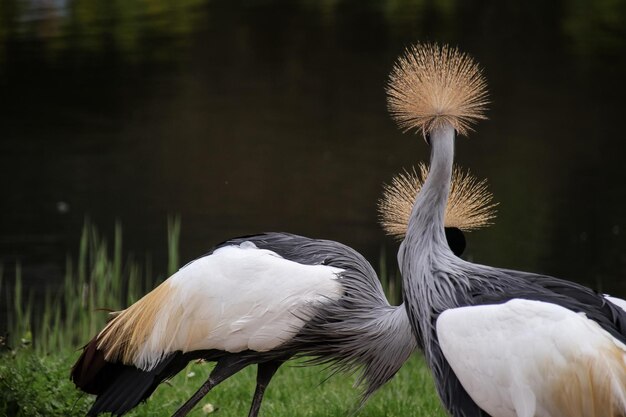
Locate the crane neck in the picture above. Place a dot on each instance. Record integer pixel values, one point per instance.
(424, 249)
(425, 231)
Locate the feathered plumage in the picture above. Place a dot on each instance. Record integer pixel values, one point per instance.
(256, 299)
(431, 86)
(470, 205)
(127, 330)
(499, 342)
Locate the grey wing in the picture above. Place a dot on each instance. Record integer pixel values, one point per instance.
(359, 278)
(360, 332)
(575, 297)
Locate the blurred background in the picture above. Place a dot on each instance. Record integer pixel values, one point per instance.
(252, 116)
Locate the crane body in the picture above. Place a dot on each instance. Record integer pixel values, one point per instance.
(254, 300)
(499, 342)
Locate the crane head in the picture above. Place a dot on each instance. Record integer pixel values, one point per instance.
(433, 86)
(470, 204)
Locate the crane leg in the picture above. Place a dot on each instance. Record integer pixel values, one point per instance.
(265, 372)
(224, 368)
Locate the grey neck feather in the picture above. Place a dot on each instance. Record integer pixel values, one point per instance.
(426, 225)
(424, 245)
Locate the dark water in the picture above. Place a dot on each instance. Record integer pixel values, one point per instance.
(244, 117)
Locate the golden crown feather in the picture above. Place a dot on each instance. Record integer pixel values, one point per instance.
(470, 204)
(431, 86)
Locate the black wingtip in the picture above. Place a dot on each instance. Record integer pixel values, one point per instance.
(120, 388)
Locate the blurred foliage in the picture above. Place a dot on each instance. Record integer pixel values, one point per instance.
(156, 30)
(97, 282)
(90, 27)
(595, 27)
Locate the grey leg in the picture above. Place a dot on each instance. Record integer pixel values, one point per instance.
(225, 368)
(265, 372)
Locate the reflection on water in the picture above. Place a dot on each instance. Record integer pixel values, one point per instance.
(271, 115)
(85, 28)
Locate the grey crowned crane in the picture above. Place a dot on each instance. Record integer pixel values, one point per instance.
(499, 343)
(261, 300)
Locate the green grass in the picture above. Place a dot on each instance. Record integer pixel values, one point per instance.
(40, 350)
(34, 385)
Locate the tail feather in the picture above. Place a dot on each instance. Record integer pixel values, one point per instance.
(91, 372)
(121, 387)
(131, 387)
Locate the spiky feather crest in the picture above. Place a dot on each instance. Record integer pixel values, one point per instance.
(470, 205)
(431, 86)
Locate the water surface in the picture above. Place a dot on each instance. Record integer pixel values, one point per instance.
(255, 116)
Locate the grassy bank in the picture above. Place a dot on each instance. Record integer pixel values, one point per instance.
(41, 348)
(33, 385)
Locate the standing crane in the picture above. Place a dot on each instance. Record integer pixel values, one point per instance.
(498, 342)
(261, 300)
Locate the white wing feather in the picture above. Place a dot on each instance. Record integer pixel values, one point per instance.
(237, 298)
(529, 358)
